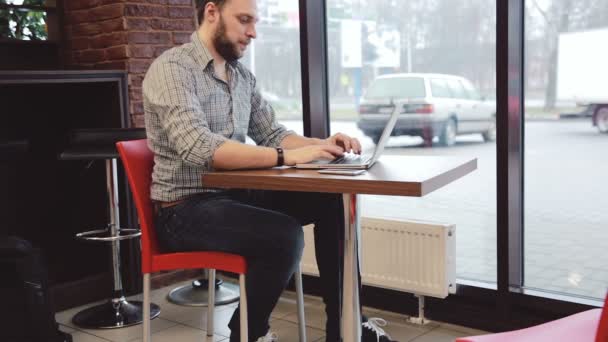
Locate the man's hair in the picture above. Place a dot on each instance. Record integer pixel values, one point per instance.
(200, 8)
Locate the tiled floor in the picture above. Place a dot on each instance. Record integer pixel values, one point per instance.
(184, 324)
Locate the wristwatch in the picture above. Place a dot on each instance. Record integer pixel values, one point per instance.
(280, 157)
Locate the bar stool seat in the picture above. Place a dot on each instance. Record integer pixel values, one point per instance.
(94, 145)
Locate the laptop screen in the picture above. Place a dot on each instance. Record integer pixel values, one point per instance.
(386, 133)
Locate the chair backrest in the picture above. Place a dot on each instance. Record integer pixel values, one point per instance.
(602, 329)
(138, 161)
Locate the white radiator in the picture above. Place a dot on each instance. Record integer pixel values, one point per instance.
(409, 256)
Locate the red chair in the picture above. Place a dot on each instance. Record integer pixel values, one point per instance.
(138, 162)
(587, 326)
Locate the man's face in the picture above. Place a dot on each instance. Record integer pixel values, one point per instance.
(235, 28)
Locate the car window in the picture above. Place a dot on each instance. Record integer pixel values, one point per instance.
(439, 88)
(470, 89)
(403, 87)
(457, 89)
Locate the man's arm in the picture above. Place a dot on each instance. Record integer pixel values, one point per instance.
(235, 155)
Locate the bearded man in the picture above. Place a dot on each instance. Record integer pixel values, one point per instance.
(200, 103)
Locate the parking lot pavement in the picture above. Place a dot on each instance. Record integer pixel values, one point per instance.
(566, 204)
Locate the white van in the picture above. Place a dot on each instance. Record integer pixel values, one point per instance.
(430, 104)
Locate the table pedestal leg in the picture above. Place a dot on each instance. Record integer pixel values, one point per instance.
(351, 309)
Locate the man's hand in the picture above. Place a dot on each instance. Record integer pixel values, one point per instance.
(309, 153)
(345, 142)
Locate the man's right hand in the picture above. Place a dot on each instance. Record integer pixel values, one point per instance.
(309, 153)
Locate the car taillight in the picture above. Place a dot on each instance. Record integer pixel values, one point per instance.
(419, 108)
(364, 109)
(426, 109)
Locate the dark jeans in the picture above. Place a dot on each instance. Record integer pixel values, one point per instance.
(266, 228)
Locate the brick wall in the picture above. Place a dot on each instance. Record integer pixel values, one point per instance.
(125, 35)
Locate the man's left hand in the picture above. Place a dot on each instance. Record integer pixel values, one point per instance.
(346, 142)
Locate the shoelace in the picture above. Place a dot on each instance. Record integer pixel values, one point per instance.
(375, 324)
(270, 337)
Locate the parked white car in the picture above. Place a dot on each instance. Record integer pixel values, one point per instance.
(430, 105)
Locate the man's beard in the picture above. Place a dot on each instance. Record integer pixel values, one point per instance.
(228, 50)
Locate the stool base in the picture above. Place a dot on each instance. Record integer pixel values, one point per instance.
(189, 295)
(115, 313)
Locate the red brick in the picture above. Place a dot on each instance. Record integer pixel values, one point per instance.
(135, 10)
(138, 24)
(108, 12)
(172, 25)
(80, 4)
(149, 38)
(158, 50)
(109, 39)
(80, 43)
(181, 37)
(113, 25)
(180, 2)
(117, 52)
(139, 66)
(113, 65)
(89, 56)
(81, 16)
(137, 108)
(181, 12)
(86, 29)
(141, 51)
(135, 80)
(135, 94)
(138, 120)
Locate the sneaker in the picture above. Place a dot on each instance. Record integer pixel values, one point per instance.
(372, 331)
(270, 337)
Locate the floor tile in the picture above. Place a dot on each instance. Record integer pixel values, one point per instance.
(288, 331)
(182, 333)
(129, 333)
(79, 336)
(439, 335)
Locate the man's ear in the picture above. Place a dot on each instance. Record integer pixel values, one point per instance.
(211, 12)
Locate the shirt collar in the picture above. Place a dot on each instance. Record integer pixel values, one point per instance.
(203, 55)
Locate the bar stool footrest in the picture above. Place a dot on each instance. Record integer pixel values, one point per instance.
(106, 235)
(115, 313)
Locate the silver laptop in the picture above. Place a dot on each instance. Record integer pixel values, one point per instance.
(357, 161)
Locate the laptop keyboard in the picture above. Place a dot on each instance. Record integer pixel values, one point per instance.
(351, 159)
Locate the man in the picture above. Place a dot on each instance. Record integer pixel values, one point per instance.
(200, 103)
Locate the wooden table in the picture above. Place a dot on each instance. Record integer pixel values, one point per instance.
(414, 176)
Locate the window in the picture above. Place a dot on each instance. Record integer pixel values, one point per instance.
(471, 91)
(566, 197)
(275, 59)
(28, 19)
(373, 41)
(399, 87)
(457, 90)
(439, 88)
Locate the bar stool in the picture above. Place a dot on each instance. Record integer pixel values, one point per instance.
(197, 294)
(99, 144)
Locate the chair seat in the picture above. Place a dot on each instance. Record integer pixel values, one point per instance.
(580, 327)
(187, 260)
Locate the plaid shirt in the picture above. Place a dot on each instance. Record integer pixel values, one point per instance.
(190, 112)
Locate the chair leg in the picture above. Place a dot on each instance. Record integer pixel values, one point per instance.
(146, 308)
(243, 312)
(300, 301)
(211, 302)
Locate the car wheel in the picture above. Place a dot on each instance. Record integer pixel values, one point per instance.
(490, 134)
(448, 133)
(601, 119)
